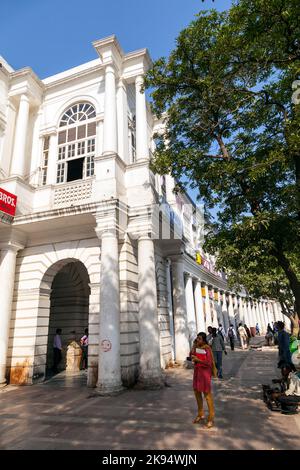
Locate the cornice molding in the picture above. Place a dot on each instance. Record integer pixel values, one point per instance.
(74, 76)
(25, 72)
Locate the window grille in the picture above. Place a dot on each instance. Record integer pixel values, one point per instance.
(45, 158)
(76, 141)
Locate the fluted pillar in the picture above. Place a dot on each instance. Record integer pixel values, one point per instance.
(109, 363)
(122, 115)
(241, 311)
(199, 307)
(231, 310)
(52, 160)
(19, 156)
(207, 308)
(267, 319)
(190, 308)
(142, 149)
(182, 347)
(110, 141)
(251, 316)
(245, 311)
(263, 320)
(150, 375)
(170, 306)
(8, 256)
(225, 312)
(260, 318)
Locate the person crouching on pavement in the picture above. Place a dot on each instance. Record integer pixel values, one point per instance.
(204, 368)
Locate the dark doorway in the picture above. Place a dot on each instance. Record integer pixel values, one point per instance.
(75, 169)
(69, 309)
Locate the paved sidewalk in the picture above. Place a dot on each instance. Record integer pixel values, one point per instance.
(55, 416)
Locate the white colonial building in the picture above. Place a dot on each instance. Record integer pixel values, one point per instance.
(88, 245)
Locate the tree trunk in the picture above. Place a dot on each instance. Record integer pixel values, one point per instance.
(292, 278)
(295, 325)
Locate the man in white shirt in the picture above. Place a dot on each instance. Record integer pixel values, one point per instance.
(57, 348)
(243, 336)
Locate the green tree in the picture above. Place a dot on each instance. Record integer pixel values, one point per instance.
(225, 93)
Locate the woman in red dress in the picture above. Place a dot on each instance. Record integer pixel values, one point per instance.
(203, 360)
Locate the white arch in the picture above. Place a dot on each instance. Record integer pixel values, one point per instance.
(74, 100)
(40, 349)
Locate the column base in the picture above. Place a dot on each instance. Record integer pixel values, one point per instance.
(104, 390)
(150, 382)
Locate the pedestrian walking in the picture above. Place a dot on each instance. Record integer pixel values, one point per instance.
(232, 336)
(243, 336)
(84, 343)
(209, 336)
(221, 331)
(57, 350)
(257, 329)
(248, 334)
(204, 368)
(218, 347)
(269, 335)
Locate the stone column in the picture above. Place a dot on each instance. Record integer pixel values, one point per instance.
(110, 141)
(8, 256)
(251, 316)
(225, 313)
(236, 312)
(182, 347)
(277, 314)
(215, 323)
(142, 150)
(190, 309)
(207, 308)
(241, 311)
(281, 315)
(219, 307)
(262, 318)
(254, 312)
(122, 115)
(52, 159)
(19, 156)
(170, 307)
(199, 307)
(267, 320)
(150, 375)
(231, 310)
(245, 311)
(109, 363)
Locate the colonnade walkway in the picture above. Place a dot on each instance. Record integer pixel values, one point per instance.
(49, 417)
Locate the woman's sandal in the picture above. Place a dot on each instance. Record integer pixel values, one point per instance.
(209, 424)
(198, 419)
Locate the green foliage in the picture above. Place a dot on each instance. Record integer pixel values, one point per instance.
(225, 94)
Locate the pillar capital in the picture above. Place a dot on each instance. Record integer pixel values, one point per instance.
(139, 80)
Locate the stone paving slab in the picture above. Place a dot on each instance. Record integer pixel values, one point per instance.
(46, 416)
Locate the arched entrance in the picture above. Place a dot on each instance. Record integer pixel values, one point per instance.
(64, 304)
(69, 308)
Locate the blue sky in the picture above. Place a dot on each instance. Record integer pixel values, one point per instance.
(53, 35)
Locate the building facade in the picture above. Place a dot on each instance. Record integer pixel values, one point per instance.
(98, 240)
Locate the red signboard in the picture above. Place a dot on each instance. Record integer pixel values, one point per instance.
(8, 202)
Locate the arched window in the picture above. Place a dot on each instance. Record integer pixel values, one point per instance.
(76, 143)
